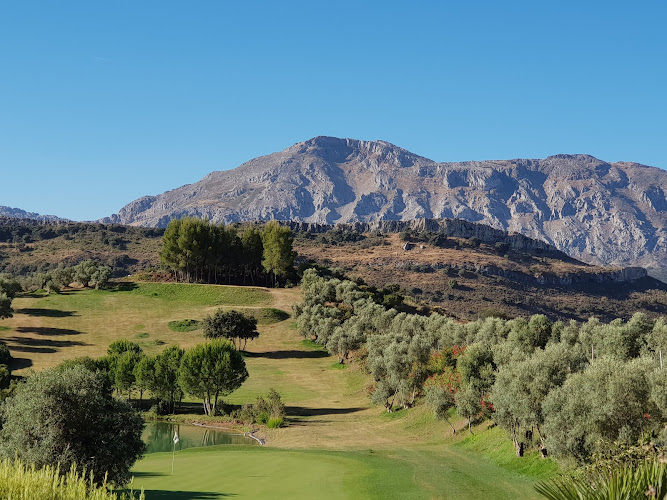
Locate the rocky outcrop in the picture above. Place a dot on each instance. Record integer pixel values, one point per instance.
(603, 213)
(453, 228)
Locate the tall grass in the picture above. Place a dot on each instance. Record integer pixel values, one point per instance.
(20, 481)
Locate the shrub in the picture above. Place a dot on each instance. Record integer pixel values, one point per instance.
(185, 325)
(263, 410)
(275, 422)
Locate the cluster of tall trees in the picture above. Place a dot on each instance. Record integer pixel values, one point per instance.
(197, 250)
(566, 389)
(208, 371)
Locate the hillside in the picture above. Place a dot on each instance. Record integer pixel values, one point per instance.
(602, 213)
(28, 246)
(469, 270)
(496, 272)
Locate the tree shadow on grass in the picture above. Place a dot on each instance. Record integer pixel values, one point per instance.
(20, 363)
(148, 474)
(184, 495)
(123, 287)
(44, 346)
(49, 313)
(302, 411)
(291, 354)
(47, 331)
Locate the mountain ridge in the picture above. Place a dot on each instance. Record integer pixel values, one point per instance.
(18, 213)
(597, 211)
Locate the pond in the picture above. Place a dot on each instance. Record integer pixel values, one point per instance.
(159, 437)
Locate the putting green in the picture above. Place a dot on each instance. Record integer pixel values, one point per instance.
(253, 472)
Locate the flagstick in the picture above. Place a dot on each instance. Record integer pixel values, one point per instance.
(173, 452)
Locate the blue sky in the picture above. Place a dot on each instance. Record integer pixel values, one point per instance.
(103, 102)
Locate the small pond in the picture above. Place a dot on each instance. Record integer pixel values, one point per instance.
(159, 437)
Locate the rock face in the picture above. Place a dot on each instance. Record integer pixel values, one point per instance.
(17, 213)
(599, 212)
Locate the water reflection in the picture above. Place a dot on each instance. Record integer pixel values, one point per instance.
(159, 437)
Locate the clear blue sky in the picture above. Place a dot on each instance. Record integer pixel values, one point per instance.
(105, 101)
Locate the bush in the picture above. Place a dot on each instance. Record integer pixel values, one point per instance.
(185, 325)
(275, 422)
(263, 410)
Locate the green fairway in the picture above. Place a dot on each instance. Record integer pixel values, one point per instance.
(253, 472)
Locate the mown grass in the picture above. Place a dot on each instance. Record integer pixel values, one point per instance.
(254, 472)
(203, 295)
(47, 329)
(268, 315)
(184, 325)
(495, 445)
(312, 345)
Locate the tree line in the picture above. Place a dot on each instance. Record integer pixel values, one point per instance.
(566, 389)
(196, 250)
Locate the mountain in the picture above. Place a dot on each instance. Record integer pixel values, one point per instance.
(602, 213)
(17, 213)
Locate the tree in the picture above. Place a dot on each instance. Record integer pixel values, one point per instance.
(83, 272)
(608, 402)
(231, 325)
(253, 250)
(125, 364)
(118, 347)
(144, 375)
(441, 401)
(69, 417)
(211, 370)
(6, 310)
(165, 383)
(100, 278)
(9, 286)
(278, 256)
(520, 389)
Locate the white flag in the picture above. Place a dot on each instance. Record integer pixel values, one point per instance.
(176, 440)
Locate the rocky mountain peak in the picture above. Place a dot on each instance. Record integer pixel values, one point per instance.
(601, 212)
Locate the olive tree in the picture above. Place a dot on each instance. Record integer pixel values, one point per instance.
(608, 402)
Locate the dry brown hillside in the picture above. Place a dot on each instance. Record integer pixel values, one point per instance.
(472, 280)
